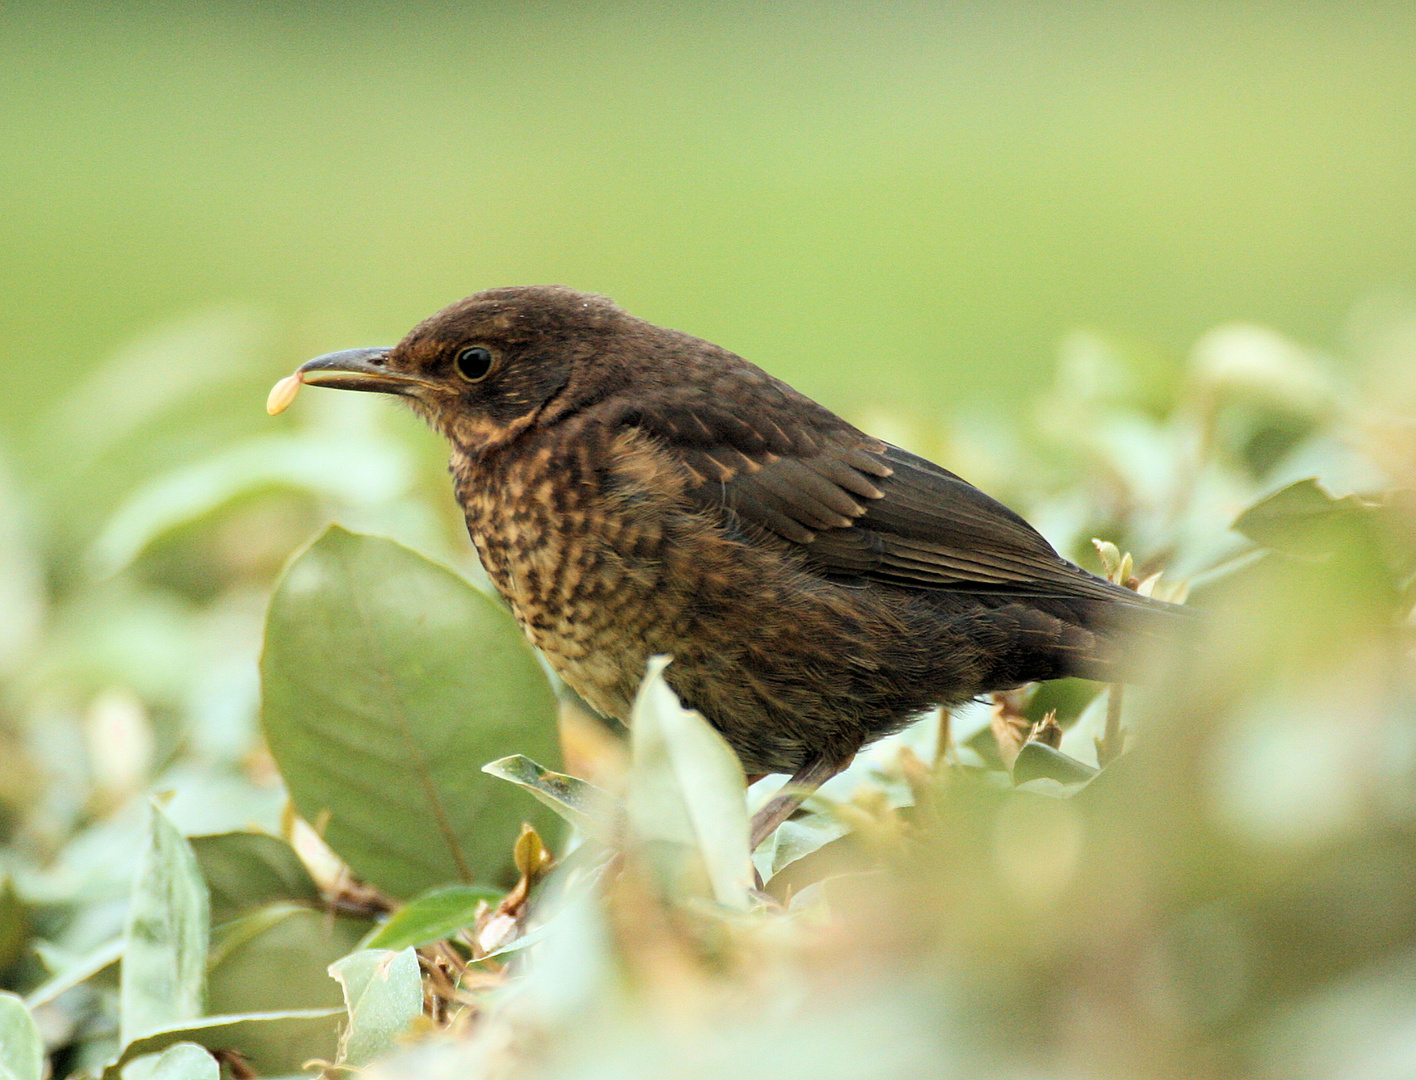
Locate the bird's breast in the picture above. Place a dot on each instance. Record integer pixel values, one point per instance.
(580, 536)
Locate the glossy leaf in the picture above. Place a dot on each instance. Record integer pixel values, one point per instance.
(386, 679)
(21, 1049)
(383, 992)
(165, 938)
(434, 915)
(686, 786)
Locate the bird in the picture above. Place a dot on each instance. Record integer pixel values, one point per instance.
(633, 490)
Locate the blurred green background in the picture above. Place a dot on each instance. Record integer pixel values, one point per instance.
(898, 203)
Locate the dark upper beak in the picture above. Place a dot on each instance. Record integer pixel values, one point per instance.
(359, 369)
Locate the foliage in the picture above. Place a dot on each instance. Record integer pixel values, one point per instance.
(393, 870)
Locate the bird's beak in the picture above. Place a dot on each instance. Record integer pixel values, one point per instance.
(358, 369)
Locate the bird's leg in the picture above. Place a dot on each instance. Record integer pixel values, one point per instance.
(794, 792)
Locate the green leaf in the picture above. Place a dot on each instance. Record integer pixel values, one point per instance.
(687, 787)
(275, 1043)
(796, 839)
(165, 937)
(183, 1061)
(249, 870)
(383, 992)
(1304, 519)
(14, 926)
(434, 915)
(386, 678)
(84, 967)
(278, 957)
(21, 1049)
(590, 809)
(1038, 761)
(344, 470)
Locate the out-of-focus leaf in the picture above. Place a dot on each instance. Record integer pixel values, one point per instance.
(153, 374)
(77, 971)
(383, 991)
(184, 1061)
(21, 1049)
(686, 786)
(436, 914)
(247, 870)
(1304, 519)
(590, 809)
(275, 1043)
(348, 471)
(278, 957)
(165, 951)
(796, 839)
(14, 925)
(384, 676)
(1037, 761)
(22, 593)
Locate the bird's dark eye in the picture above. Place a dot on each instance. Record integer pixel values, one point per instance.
(474, 363)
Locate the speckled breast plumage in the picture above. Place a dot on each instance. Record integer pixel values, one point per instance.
(587, 533)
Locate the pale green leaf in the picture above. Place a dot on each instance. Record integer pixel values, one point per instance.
(347, 471)
(795, 839)
(686, 786)
(76, 971)
(183, 1061)
(21, 1049)
(383, 993)
(165, 952)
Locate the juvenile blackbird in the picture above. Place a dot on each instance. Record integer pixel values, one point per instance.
(632, 490)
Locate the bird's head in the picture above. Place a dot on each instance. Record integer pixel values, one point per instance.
(486, 367)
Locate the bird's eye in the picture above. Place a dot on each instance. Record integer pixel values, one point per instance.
(474, 363)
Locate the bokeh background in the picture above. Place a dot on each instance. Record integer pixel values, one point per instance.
(897, 203)
(1130, 266)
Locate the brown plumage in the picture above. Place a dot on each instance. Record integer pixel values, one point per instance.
(632, 490)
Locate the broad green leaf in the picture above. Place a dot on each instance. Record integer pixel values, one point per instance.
(248, 870)
(275, 1043)
(590, 809)
(278, 957)
(686, 786)
(383, 992)
(386, 679)
(436, 914)
(21, 1049)
(184, 1061)
(165, 937)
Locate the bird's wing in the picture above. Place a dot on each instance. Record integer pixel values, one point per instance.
(858, 507)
